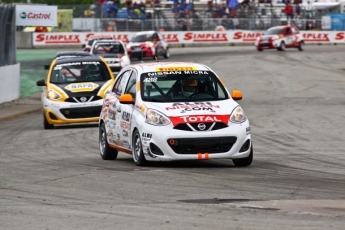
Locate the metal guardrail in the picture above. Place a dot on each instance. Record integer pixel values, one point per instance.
(7, 35)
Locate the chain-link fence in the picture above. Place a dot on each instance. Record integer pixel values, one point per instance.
(7, 35)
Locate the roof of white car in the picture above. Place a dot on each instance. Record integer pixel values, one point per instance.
(170, 66)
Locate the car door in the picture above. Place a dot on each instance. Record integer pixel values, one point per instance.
(115, 109)
(289, 36)
(127, 111)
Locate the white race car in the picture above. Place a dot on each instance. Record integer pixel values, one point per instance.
(167, 111)
(113, 51)
(280, 38)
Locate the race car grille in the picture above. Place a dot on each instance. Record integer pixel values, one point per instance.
(265, 44)
(201, 145)
(83, 99)
(84, 112)
(208, 126)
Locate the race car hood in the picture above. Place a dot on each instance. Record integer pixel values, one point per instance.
(266, 37)
(138, 44)
(114, 55)
(183, 112)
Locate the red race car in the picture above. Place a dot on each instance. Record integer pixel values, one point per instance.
(280, 38)
(147, 44)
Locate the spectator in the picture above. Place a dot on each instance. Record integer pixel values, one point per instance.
(177, 21)
(225, 22)
(188, 22)
(298, 10)
(175, 7)
(236, 22)
(310, 25)
(156, 3)
(289, 11)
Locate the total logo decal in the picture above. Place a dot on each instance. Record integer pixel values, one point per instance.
(200, 118)
(35, 15)
(316, 37)
(206, 37)
(52, 38)
(79, 87)
(171, 37)
(246, 36)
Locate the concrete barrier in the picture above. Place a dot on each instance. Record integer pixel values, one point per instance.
(10, 82)
(24, 40)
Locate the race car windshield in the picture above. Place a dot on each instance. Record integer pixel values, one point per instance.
(110, 48)
(274, 31)
(142, 38)
(181, 86)
(79, 72)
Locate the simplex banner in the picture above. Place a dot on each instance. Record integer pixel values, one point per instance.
(36, 15)
(187, 37)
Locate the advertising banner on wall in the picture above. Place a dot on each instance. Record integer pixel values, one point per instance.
(195, 37)
(36, 15)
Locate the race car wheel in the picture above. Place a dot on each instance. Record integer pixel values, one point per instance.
(167, 54)
(259, 49)
(301, 46)
(106, 152)
(244, 161)
(282, 46)
(137, 150)
(46, 125)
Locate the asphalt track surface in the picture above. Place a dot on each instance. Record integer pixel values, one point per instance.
(55, 179)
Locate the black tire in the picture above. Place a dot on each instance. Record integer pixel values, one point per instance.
(137, 150)
(106, 152)
(244, 161)
(46, 125)
(282, 46)
(301, 46)
(167, 54)
(260, 49)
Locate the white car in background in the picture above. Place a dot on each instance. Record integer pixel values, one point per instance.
(280, 38)
(113, 51)
(166, 111)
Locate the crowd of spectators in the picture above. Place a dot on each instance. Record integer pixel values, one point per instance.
(183, 15)
(110, 8)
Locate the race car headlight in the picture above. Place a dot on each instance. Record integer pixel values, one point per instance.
(53, 95)
(150, 44)
(128, 46)
(154, 117)
(124, 59)
(237, 115)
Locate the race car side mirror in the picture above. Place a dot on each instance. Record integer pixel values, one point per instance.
(83, 46)
(126, 99)
(41, 82)
(236, 95)
(46, 66)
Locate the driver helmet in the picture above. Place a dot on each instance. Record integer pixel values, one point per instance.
(93, 71)
(189, 87)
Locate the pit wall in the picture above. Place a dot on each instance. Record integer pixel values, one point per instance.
(174, 38)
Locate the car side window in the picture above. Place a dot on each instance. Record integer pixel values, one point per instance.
(132, 85)
(288, 31)
(120, 85)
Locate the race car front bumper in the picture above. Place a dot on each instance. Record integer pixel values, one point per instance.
(167, 144)
(65, 112)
